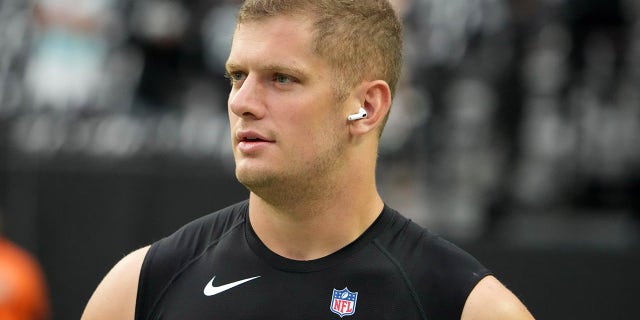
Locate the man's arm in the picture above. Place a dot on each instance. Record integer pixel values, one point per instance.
(492, 300)
(115, 297)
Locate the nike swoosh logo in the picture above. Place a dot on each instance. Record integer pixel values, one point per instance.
(210, 289)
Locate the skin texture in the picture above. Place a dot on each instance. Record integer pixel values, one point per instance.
(310, 171)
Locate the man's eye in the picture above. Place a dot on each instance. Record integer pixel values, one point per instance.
(234, 76)
(281, 78)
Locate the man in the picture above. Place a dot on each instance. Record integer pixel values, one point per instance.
(311, 86)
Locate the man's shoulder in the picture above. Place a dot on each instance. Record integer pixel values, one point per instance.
(404, 236)
(196, 235)
(218, 222)
(414, 242)
(168, 256)
(433, 266)
(115, 296)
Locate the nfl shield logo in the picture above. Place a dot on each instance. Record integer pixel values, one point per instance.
(343, 302)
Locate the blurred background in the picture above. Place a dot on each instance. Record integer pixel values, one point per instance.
(515, 133)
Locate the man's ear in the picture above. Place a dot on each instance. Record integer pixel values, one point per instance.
(375, 98)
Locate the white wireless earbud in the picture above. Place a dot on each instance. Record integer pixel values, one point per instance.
(362, 113)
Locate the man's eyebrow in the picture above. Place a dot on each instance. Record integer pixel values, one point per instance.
(284, 68)
(231, 66)
(290, 69)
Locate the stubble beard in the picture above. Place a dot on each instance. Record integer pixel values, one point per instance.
(298, 182)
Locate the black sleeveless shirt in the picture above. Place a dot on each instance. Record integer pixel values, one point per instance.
(217, 268)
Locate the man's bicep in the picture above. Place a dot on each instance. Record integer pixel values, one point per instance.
(492, 300)
(115, 296)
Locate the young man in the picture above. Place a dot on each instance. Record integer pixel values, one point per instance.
(311, 86)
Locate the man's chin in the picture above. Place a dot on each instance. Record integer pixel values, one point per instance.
(273, 189)
(254, 181)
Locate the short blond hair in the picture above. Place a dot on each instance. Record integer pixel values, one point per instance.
(361, 39)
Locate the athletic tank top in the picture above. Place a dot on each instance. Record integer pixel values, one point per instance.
(217, 268)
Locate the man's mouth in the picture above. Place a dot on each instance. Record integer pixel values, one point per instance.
(251, 139)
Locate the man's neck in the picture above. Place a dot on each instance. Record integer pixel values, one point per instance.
(308, 230)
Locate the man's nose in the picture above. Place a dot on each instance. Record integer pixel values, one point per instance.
(246, 100)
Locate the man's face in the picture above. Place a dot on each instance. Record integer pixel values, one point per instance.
(286, 126)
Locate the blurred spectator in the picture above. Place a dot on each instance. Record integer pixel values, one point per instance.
(66, 65)
(159, 29)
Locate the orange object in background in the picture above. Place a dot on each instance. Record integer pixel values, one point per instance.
(23, 292)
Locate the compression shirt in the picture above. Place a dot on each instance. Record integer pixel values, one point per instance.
(217, 268)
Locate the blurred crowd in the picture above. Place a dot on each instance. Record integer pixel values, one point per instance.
(521, 108)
